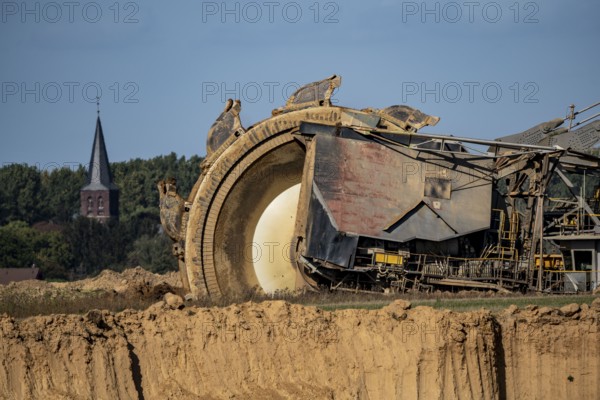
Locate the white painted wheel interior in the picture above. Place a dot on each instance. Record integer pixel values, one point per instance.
(272, 240)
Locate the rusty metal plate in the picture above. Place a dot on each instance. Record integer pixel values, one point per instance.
(378, 191)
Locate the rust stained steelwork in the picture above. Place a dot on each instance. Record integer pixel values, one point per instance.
(374, 190)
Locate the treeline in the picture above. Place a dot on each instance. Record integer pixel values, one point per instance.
(40, 223)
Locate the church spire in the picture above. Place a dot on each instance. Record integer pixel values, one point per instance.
(99, 174)
(100, 196)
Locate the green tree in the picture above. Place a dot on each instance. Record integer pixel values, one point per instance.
(89, 241)
(23, 246)
(153, 252)
(137, 180)
(18, 243)
(20, 194)
(60, 191)
(55, 256)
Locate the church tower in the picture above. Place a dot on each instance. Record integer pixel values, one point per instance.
(100, 196)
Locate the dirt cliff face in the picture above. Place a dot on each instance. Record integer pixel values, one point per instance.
(275, 350)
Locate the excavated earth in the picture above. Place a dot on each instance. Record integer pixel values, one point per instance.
(278, 350)
(134, 283)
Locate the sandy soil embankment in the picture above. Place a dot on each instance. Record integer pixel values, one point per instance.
(276, 350)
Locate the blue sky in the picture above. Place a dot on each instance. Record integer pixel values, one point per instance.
(487, 68)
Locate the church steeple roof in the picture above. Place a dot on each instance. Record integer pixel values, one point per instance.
(99, 174)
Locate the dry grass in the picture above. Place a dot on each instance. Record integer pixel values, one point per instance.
(462, 301)
(23, 303)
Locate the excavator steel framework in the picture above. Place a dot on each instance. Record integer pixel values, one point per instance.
(323, 196)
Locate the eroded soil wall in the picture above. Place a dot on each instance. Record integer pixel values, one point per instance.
(275, 350)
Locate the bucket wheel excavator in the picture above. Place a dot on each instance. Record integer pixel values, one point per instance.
(322, 195)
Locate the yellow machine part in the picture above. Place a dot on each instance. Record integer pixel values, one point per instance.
(551, 261)
(388, 258)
